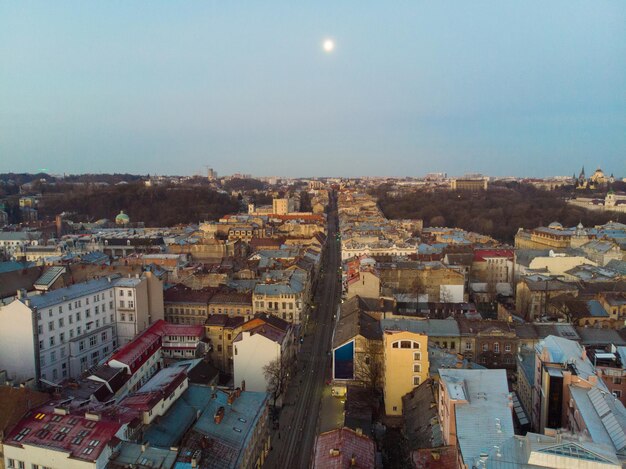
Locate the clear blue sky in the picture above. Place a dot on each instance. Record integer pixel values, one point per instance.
(500, 87)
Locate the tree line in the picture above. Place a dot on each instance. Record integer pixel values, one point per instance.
(163, 205)
(498, 212)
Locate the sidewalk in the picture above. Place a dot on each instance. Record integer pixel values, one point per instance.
(287, 412)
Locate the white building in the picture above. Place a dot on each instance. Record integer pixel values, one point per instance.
(138, 303)
(263, 340)
(58, 334)
(13, 242)
(61, 333)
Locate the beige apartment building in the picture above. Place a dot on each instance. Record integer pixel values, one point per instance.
(405, 365)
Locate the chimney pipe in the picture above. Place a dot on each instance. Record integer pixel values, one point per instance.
(219, 415)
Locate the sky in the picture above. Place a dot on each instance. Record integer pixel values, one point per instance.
(524, 88)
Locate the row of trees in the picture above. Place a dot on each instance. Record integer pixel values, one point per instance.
(497, 212)
(155, 206)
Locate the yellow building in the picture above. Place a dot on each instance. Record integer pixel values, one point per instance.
(221, 331)
(405, 361)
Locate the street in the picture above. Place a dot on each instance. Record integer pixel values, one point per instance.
(293, 442)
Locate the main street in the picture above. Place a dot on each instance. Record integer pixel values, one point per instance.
(298, 425)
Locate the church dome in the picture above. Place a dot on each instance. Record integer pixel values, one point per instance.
(122, 218)
(555, 225)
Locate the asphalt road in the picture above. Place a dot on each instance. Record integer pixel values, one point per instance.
(296, 448)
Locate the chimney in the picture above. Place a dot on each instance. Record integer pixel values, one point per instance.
(219, 415)
(92, 416)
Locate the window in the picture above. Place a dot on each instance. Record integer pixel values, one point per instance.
(60, 322)
(617, 394)
(122, 304)
(405, 344)
(92, 340)
(122, 317)
(78, 330)
(121, 292)
(41, 345)
(130, 293)
(617, 380)
(60, 309)
(507, 347)
(71, 333)
(496, 347)
(51, 326)
(10, 462)
(51, 341)
(87, 313)
(485, 347)
(103, 337)
(416, 380)
(81, 345)
(417, 368)
(62, 337)
(40, 329)
(96, 309)
(131, 317)
(78, 316)
(131, 304)
(417, 356)
(71, 319)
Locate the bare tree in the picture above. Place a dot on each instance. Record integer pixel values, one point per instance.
(522, 303)
(368, 364)
(445, 295)
(418, 287)
(277, 373)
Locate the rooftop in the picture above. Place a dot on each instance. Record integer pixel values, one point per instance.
(78, 290)
(77, 433)
(485, 419)
(337, 448)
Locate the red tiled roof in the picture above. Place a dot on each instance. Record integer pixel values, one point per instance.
(81, 437)
(167, 328)
(445, 457)
(138, 351)
(481, 254)
(317, 218)
(349, 444)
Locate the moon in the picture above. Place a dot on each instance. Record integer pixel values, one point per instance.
(328, 45)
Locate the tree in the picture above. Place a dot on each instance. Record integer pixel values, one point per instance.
(523, 301)
(277, 374)
(368, 368)
(445, 295)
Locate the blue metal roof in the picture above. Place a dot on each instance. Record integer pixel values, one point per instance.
(69, 293)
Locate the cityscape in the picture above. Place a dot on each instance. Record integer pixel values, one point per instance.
(332, 235)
